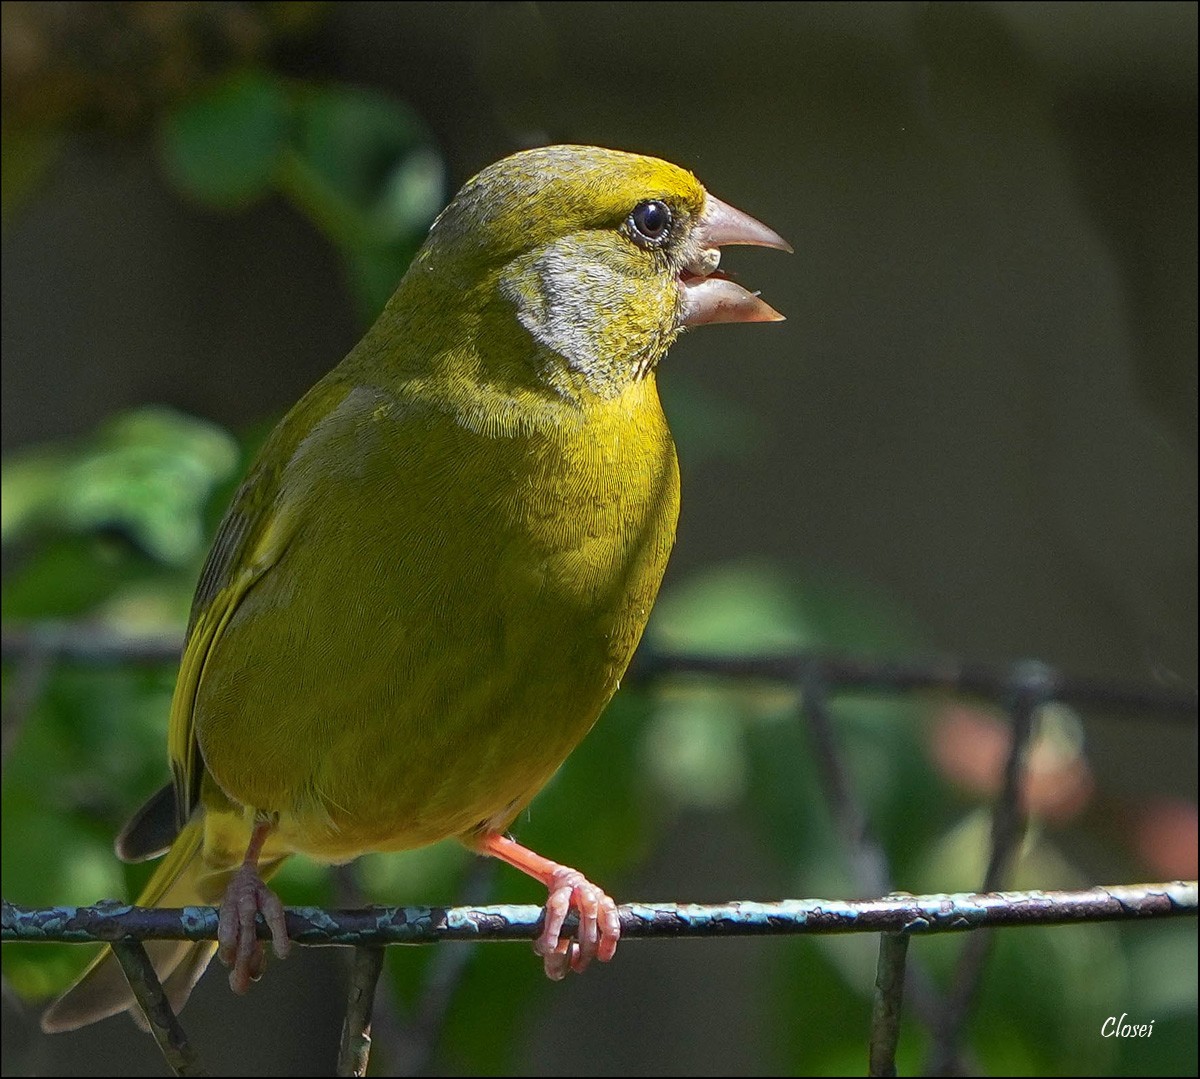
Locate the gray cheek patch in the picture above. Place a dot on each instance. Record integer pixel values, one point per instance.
(563, 313)
(564, 297)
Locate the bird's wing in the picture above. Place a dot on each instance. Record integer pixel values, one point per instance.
(251, 539)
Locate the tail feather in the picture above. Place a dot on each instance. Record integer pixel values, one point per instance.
(183, 879)
(151, 830)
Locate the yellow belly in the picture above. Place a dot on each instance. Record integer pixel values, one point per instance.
(443, 630)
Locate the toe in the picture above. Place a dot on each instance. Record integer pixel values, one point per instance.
(247, 912)
(272, 910)
(599, 926)
(587, 902)
(247, 969)
(558, 906)
(558, 963)
(227, 933)
(609, 920)
(238, 946)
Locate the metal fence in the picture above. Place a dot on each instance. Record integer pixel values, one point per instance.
(1021, 690)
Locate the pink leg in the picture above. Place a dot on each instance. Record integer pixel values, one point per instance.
(599, 923)
(238, 946)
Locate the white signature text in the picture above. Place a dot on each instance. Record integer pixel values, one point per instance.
(1112, 1027)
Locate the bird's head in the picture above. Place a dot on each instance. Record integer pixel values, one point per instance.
(602, 257)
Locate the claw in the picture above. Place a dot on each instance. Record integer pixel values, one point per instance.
(246, 896)
(238, 946)
(599, 926)
(599, 923)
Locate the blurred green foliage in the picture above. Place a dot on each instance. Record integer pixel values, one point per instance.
(112, 530)
(127, 513)
(119, 68)
(148, 474)
(358, 165)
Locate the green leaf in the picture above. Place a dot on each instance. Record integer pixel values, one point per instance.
(375, 271)
(420, 877)
(88, 755)
(147, 474)
(223, 147)
(363, 169)
(410, 196)
(29, 486)
(69, 576)
(753, 606)
(693, 747)
(741, 608)
(355, 140)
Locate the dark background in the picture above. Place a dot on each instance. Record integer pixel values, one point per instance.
(981, 412)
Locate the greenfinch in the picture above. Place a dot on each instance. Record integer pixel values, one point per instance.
(438, 568)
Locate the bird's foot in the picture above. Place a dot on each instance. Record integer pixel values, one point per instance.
(238, 946)
(599, 925)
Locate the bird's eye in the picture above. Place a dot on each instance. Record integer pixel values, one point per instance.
(650, 223)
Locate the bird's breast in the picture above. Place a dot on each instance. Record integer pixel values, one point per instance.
(448, 622)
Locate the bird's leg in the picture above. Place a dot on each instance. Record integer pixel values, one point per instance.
(238, 946)
(599, 923)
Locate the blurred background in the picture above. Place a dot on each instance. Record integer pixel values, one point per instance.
(974, 436)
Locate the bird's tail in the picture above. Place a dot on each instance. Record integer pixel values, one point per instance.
(185, 878)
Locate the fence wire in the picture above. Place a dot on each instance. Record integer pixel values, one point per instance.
(1021, 690)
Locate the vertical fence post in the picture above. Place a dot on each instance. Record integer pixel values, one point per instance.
(1032, 686)
(887, 1003)
(160, 1017)
(355, 1048)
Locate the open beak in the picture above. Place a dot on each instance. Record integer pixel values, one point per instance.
(709, 296)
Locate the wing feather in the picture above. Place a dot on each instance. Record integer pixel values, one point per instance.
(251, 539)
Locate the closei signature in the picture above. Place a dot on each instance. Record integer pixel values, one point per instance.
(1112, 1027)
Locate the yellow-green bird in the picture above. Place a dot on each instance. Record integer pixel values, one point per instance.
(439, 566)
